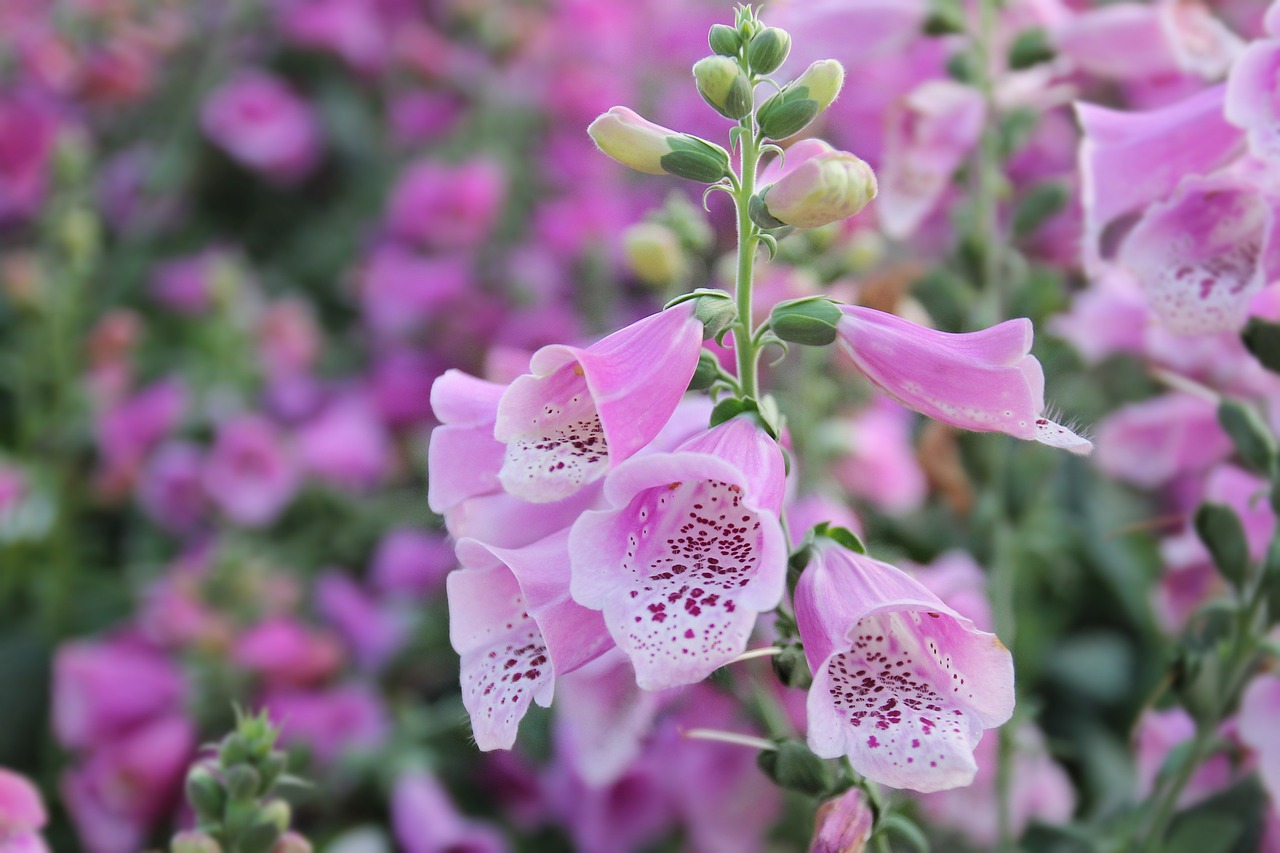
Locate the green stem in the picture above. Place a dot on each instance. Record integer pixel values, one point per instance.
(743, 342)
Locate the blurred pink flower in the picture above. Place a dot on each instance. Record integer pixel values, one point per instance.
(171, 488)
(261, 121)
(351, 29)
(373, 630)
(28, 130)
(1152, 442)
(426, 820)
(879, 463)
(285, 652)
(447, 206)
(330, 722)
(1155, 736)
(400, 290)
(187, 285)
(121, 789)
(411, 562)
(289, 339)
(101, 690)
(249, 473)
(128, 430)
(346, 444)
(22, 815)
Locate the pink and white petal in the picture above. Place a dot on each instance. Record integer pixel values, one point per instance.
(464, 462)
(1201, 255)
(1250, 100)
(457, 398)
(1201, 43)
(555, 443)
(574, 635)
(681, 570)
(743, 444)
(504, 660)
(1056, 435)
(605, 717)
(1258, 709)
(507, 522)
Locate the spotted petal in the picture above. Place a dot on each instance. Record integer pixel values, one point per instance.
(903, 685)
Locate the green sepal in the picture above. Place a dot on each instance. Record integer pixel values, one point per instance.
(843, 536)
(1251, 436)
(1262, 339)
(758, 209)
(695, 159)
(792, 667)
(724, 40)
(706, 373)
(1220, 530)
(810, 321)
(728, 409)
(787, 113)
(243, 782)
(794, 767)
(1030, 47)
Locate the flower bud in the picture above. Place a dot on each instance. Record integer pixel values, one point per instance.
(243, 782)
(654, 254)
(277, 812)
(811, 321)
(789, 111)
(723, 85)
(843, 825)
(724, 40)
(792, 669)
(826, 187)
(292, 842)
(194, 842)
(717, 311)
(768, 50)
(205, 793)
(651, 148)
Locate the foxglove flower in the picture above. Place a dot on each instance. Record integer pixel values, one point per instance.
(1250, 99)
(22, 815)
(986, 381)
(902, 684)
(513, 624)
(1202, 255)
(688, 552)
(843, 825)
(580, 411)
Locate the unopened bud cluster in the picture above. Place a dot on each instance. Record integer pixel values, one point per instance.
(233, 796)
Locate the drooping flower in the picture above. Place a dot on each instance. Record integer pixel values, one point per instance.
(249, 473)
(263, 123)
(514, 626)
(986, 381)
(843, 825)
(426, 820)
(581, 411)
(688, 552)
(816, 185)
(1250, 98)
(902, 684)
(1152, 442)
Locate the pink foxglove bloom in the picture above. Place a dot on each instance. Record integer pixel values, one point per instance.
(878, 462)
(400, 290)
(1250, 101)
(902, 684)
(985, 381)
(447, 205)
(22, 815)
(348, 718)
(513, 624)
(1258, 729)
(1129, 160)
(1203, 254)
(101, 689)
(929, 135)
(426, 820)
(580, 411)
(249, 473)
(28, 131)
(284, 651)
(1159, 733)
(688, 552)
(1154, 441)
(603, 718)
(261, 121)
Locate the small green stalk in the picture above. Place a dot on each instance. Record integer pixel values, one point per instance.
(748, 240)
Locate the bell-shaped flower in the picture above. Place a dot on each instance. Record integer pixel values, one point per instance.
(580, 411)
(1202, 255)
(689, 550)
(929, 135)
(22, 815)
(985, 381)
(515, 627)
(843, 824)
(902, 684)
(1250, 100)
(1129, 160)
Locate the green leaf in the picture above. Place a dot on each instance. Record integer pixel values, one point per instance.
(793, 767)
(1222, 533)
(1252, 437)
(1262, 339)
(1030, 47)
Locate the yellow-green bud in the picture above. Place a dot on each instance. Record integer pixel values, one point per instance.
(243, 782)
(824, 188)
(205, 793)
(811, 321)
(194, 842)
(768, 50)
(647, 147)
(654, 254)
(278, 813)
(724, 40)
(789, 111)
(723, 85)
